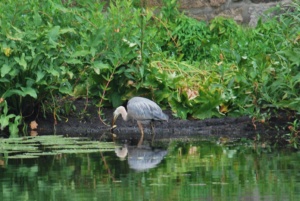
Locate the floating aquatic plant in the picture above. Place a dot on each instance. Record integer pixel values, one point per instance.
(33, 147)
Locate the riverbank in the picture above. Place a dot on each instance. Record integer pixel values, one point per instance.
(89, 125)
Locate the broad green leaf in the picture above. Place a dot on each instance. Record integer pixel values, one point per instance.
(295, 79)
(39, 75)
(5, 109)
(73, 61)
(4, 80)
(67, 30)
(81, 53)
(98, 66)
(21, 61)
(93, 51)
(13, 127)
(4, 120)
(80, 90)
(66, 88)
(11, 92)
(37, 18)
(53, 35)
(53, 72)
(141, 69)
(60, 7)
(5, 70)
(29, 91)
(293, 55)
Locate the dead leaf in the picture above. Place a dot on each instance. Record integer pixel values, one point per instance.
(223, 108)
(221, 57)
(33, 133)
(33, 125)
(192, 94)
(296, 39)
(130, 83)
(2, 163)
(223, 140)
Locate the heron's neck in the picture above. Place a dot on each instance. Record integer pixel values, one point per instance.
(121, 110)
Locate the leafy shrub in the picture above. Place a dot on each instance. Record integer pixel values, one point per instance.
(51, 51)
(55, 51)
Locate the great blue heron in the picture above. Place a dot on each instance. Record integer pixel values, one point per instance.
(143, 110)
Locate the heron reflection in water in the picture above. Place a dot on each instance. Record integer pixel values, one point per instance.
(141, 158)
(144, 111)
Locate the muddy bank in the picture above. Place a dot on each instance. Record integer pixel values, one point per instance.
(89, 125)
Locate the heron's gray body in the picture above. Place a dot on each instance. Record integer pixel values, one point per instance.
(145, 110)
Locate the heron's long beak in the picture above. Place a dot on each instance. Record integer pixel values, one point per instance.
(113, 126)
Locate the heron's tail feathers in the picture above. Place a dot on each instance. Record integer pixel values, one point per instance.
(161, 117)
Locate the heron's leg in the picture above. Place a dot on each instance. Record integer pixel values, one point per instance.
(152, 131)
(142, 134)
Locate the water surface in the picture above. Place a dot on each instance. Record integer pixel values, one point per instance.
(173, 170)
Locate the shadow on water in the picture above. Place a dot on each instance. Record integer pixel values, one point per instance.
(188, 169)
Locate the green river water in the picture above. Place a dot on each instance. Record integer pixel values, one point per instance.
(174, 170)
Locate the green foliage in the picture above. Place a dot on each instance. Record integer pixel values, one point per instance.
(35, 50)
(8, 120)
(55, 51)
(192, 39)
(293, 136)
(62, 50)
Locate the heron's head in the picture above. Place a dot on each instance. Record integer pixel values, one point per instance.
(120, 110)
